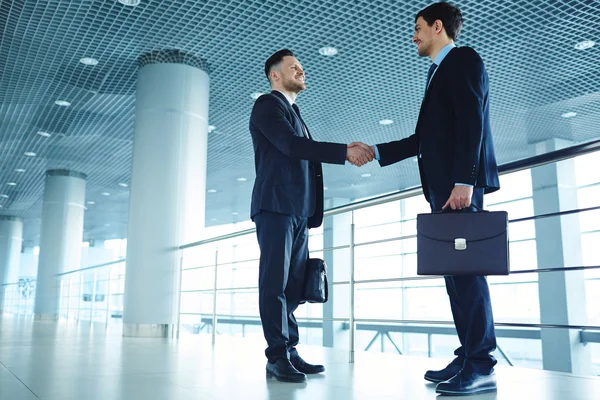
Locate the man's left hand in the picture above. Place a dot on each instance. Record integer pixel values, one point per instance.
(459, 198)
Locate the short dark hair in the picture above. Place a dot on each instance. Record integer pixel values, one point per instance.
(448, 13)
(276, 59)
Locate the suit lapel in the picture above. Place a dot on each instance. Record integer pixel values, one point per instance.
(286, 103)
(445, 64)
(440, 67)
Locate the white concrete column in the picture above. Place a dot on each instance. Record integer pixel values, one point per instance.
(167, 192)
(11, 240)
(558, 242)
(60, 239)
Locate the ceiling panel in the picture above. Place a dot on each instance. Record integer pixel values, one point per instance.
(537, 74)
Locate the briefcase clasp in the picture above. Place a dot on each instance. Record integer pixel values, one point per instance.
(460, 244)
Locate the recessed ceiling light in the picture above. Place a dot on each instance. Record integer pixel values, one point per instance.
(88, 61)
(234, 213)
(569, 114)
(44, 134)
(366, 175)
(130, 2)
(242, 179)
(4, 196)
(123, 185)
(62, 103)
(212, 190)
(19, 170)
(211, 128)
(11, 184)
(255, 95)
(325, 188)
(386, 122)
(29, 154)
(105, 194)
(1, 206)
(91, 202)
(584, 45)
(106, 224)
(213, 219)
(328, 51)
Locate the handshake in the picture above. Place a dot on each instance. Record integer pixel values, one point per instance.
(359, 153)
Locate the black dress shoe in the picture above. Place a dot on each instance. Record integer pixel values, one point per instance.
(443, 375)
(467, 383)
(283, 371)
(305, 367)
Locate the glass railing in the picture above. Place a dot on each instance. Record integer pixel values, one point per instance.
(94, 293)
(379, 303)
(19, 297)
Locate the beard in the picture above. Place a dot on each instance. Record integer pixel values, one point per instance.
(293, 85)
(423, 50)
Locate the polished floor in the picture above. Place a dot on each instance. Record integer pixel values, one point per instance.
(59, 361)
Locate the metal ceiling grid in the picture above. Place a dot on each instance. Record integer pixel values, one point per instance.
(536, 75)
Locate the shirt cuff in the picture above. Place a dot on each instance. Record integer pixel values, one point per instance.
(376, 152)
(462, 184)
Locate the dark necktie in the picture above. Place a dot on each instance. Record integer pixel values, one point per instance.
(297, 111)
(429, 75)
(295, 107)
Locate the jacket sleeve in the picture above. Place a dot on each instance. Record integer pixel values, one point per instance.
(469, 94)
(392, 152)
(268, 115)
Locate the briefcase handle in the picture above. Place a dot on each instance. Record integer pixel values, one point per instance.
(449, 210)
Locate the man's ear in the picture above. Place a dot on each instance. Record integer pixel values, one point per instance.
(438, 25)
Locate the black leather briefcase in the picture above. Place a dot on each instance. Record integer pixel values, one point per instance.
(316, 289)
(463, 243)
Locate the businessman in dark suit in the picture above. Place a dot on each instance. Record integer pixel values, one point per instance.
(287, 200)
(453, 143)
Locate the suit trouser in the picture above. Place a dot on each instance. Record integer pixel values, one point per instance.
(283, 242)
(471, 307)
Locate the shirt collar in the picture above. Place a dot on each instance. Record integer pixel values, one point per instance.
(287, 97)
(443, 53)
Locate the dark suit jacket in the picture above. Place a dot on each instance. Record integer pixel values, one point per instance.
(289, 177)
(453, 130)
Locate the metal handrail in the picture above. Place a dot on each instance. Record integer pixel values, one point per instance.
(416, 278)
(550, 157)
(532, 162)
(365, 281)
(509, 324)
(404, 237)
(419, 322)
(16, 283)
(555, 214)
(341, 247)
(119, 261)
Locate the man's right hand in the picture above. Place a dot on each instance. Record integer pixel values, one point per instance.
(359, 153)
